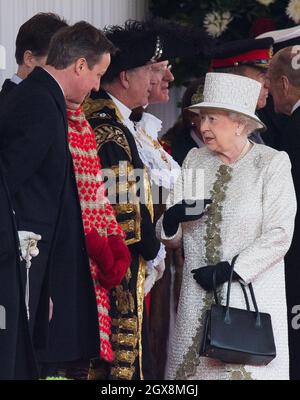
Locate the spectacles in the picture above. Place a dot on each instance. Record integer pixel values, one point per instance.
(161, 68)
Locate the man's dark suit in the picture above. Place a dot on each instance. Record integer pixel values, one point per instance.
(39, 173)
(290, 142)
(16, 353)
(7, 87)
(275, 123)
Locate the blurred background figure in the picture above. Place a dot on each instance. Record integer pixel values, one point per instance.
(32, 46)
(185, 134)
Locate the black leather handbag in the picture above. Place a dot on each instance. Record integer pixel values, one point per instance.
(235, 335)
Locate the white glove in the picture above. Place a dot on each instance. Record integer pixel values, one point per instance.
(160, 268)
(150, 280)
(28, 244)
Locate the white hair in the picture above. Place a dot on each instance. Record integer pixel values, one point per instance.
(249, 124)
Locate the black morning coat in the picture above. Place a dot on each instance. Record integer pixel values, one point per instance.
(39, 173)
(7, 87)
(275, 123)
(290, 142)
(17, 359)
(283, 134)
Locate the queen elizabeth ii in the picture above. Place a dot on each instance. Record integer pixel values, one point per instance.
(251, 215)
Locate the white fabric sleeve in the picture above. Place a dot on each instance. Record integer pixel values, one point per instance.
(279, 210)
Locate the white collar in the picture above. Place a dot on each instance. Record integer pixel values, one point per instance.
(151, 124)
(162, 168)
(296, 105)
(16, 79)
(55, 81)
(125, 113)
(124, 110)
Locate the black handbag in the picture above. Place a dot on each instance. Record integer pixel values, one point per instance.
(235, 335)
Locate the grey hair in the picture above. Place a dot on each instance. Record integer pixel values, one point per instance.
(249, 124)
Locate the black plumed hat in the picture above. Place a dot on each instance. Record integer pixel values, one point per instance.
(178, 40)
(152, 40)
(137, 46)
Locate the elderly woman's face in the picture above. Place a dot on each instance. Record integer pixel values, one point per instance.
(218, 130)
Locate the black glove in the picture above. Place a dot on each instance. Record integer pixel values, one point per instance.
(204, 275)
(186, 210)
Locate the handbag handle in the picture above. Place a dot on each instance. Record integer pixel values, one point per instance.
(215, 288)
(227, 315)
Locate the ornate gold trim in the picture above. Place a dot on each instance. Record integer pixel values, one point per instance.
(140, 308)
(124, 300)
(126, 188)
(123, 373)
(125, 339)
(126, 356)
(91, 106)
(213, 244)
(148, 194)
(125, 208)
(129, 324)
(106, 133)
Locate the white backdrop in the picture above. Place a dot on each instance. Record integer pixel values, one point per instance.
(13, 13)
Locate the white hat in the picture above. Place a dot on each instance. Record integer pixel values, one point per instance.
(230, 92)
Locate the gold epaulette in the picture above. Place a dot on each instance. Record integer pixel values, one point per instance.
(109, 133)
(93, 108)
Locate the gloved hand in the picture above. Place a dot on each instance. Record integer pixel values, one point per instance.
(28, 244)
(160, 268)
(150, 280)
(122, 258)
(98, 250)
(204, 275)
(184, 211)
(111, 256)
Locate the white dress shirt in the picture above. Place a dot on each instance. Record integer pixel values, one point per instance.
(295, 106)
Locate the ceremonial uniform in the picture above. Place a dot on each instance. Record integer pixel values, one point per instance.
(117, 151)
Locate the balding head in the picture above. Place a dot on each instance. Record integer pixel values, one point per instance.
(287, 62)
(284, 74)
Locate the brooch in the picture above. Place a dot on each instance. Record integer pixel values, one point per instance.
(258, 161)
